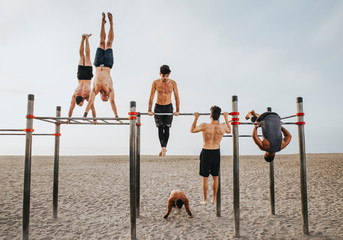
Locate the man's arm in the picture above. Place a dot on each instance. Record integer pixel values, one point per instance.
(194, 128)
(228, 127)
(186, 202)
(91, 101)
(257, 140)
(113, 104)
(151, 98)
(94, 113)
(170, 206)
(287, 139)
(177, 99)
(72, 106)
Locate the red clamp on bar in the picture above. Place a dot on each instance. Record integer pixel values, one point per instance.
(139, 124)
(28, 130)
(132, 117)
(235, 123)
(30, 116)
(300, 123)
(300, 114)
(235, 119)
(133, 113)
(56, 134)
(234, 113)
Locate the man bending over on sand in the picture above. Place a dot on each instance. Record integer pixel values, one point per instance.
(176, 199)
(212, 134)
(84, 74)
(164, 87)
(272, 130)
(103, 63)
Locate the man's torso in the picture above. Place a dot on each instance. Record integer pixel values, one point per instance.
(212, 135)
(164, 91)
(103, 80)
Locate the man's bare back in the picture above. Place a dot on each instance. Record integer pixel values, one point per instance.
(213, 132)
(177, 195)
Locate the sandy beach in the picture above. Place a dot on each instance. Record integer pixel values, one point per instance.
(94, 198)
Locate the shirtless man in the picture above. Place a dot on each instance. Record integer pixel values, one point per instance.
(103, 63)
(84, 74)
(176, 199)
(272, 131)
(212, 134)
(164, 87)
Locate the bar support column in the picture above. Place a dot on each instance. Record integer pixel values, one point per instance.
(303, 182)
(27, 170)
(138, 163)
(56, 162)
(235, 140)
(271, 182)
(133, 192)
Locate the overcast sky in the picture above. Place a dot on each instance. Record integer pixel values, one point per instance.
(267, 53)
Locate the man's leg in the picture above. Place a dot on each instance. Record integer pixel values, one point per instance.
(214, 188)
(82, 54)
(166, 138)
(204, 188)
(110, 33)
(102, 32)
(161, 138)
(88, 61)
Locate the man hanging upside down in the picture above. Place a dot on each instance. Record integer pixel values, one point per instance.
(212, 134)
(103, 63)
(164, 87)
(84, 74)
(272, 131)
(176, 199)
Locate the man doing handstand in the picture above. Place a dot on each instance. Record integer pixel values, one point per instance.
(103, 63)
(272, 131)
(84, 74)
(212, 134)
(164, 87)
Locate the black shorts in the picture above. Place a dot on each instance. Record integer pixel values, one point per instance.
(84, 72)
(165, 120)
(104, 57)
(209, 162)
(262, 116)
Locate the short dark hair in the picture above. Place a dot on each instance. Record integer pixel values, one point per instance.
(78, 100)
(164, 69)
(179, 203)
(269, 158)
(215, 112)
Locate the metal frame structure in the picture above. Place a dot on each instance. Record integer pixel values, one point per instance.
(58, 121)
(134, 155)
(303, 183)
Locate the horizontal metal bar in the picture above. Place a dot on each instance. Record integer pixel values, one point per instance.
(242, 136)
(91, 123)
(289, 123)
(35, 134)
(80, 118)
(181, 114)
(11, 130)
(289, 117)
(247, 123)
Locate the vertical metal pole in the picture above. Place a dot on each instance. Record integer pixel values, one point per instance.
(271, 182)
(138, 163)
(133, 192)
(303, 183)
(235, 140)
(219, 203)
(27, 171)
(56, 163)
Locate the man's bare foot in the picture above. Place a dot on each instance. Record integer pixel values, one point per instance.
(87, 35)
(213, 200)
(110, 18)
(160, 154)
(164, 151)
(204, 202)
(104, 17)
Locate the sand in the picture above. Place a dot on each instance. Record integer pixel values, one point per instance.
(94, 198)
